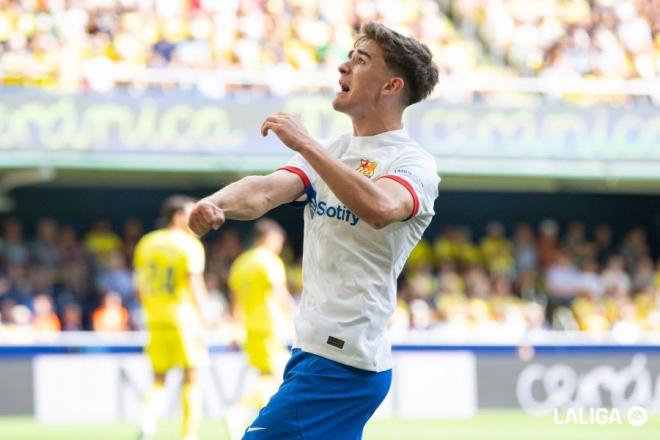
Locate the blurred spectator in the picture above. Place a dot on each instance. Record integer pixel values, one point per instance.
(110, 316)
(604, 248)
(616, 281)
(13, 250)
(643, 275)
(421, 255)
(101, 242)
(575, 242)
(131, 235)
(527, 285)
(72, 317)
(634, 247)
(44, 318)
(222, 253)
(18, 284)
(524, 248)
(563, 278)
(116, 277)
(43, 249)
(562, 281)
(591, 281)
(19, 319)
(6, 304)
(76, 265)
(421, 315)
(496, 249)
(548, 244)
(590, 313)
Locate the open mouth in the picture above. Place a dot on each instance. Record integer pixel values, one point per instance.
(343, 88)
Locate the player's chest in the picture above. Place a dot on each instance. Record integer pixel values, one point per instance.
(327, 211)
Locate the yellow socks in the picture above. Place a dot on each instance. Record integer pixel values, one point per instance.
(191, 400)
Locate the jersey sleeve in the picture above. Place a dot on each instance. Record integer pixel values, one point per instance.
(419, 176)
(300, 167)
(196, 257)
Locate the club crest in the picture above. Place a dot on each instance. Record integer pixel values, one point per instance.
(366, 167)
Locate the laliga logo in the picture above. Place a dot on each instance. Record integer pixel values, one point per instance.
(636, 416)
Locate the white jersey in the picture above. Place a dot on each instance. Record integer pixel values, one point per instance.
(349, 268)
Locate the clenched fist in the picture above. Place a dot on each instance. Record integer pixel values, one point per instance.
(204, 217)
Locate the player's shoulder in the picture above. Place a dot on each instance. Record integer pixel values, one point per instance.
(411, 154)
(244, 259)
(415, 164)
(336, 145)
(256, 257)
(149, 238)
(168, 237)
(188, 241)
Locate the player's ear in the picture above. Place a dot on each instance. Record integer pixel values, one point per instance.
(393, 86)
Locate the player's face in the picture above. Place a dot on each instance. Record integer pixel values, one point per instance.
(361, 79)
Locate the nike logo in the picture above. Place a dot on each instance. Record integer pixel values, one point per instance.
(254, 429)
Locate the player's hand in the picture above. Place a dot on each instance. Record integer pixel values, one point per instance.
(204, 217)
(289, 129)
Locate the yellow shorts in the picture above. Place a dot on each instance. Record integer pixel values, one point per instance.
(266, 353)
(171, 346)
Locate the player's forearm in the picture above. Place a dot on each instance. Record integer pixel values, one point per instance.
(245, 199)
(354, 190)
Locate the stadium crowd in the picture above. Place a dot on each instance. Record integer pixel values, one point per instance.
(92, 44)
(102, 44)
(533, 279)
(568, 39)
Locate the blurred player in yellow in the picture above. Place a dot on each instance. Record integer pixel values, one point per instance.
(261, 300)
(169, 268)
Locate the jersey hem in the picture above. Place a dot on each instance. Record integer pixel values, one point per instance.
(342, 358)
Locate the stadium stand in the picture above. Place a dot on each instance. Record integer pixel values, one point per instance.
(93, 44)
(221, 47)
(512, 282)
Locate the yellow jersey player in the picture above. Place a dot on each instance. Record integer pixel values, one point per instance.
(169, 267)
(257, 281)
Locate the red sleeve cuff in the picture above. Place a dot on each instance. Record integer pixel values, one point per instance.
(299, 172)
(410, 189)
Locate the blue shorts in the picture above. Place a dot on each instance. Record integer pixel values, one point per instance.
(320, 399)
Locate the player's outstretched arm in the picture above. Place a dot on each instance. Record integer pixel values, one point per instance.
(246, 199)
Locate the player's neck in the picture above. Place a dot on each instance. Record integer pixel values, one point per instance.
(376, 122)
(175, 227)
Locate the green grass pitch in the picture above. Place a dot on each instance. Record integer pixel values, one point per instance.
(487, 425)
